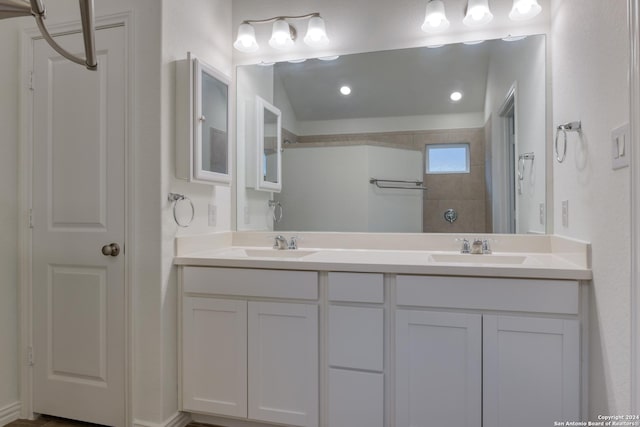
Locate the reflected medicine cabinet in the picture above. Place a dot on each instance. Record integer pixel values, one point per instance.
(203, 153)
(268, 147)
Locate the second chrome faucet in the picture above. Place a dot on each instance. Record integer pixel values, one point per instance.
(280, 242)
(478, 247)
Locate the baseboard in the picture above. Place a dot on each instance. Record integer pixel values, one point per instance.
(179, 419)
(10, 413)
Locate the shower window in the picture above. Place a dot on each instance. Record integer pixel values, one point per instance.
(447, 158)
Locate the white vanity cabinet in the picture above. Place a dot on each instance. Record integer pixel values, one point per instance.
(350, 349)
(485, 369)
(246, 357)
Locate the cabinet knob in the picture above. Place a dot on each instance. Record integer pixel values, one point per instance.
(202, 118)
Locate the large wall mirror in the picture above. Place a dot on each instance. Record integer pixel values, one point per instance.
(448, 139)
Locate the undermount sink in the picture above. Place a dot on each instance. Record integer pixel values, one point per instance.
(477, 259)
(272, 253)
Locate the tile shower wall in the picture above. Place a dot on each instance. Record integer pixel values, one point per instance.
(467, 194)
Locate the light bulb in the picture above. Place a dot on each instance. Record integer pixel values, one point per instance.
(478, 13)
(316, 33)
(435, 18)
(281, 35)
(246, 40)
(524, 9)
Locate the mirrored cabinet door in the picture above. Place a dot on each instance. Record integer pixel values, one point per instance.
(269, 146)
(203, 151)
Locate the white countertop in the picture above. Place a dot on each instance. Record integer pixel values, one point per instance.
(566, 262)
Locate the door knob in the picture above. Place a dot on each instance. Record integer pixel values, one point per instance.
(112, 249)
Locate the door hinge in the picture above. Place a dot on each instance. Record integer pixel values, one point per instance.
(30, 361)
(30, 218)
(31, 80)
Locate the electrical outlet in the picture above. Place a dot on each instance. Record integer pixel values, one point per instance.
(565, 213)
(213, 215)
(247, 217)
(541, 213)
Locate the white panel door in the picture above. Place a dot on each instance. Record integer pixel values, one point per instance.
(438, 369)
(531, 371)
(283, 363)
(78, 202)
(214, 363)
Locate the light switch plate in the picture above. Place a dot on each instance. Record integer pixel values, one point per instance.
(620, 145)
(565, 213)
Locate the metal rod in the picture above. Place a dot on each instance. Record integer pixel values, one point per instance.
(275, 18)
(418, 184)
(86, 9)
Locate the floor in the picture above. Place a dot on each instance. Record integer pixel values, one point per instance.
(48, 421)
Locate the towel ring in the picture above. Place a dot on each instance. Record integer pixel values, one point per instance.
(567, 127)
(277, 210)
(175, 198)
(564, 146)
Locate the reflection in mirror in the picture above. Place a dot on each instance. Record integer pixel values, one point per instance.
(214, 121)
(400, 103)
(270, 166)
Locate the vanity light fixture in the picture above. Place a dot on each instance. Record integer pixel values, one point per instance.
(345, 90)
(435, 19)
(478, 13)
(524, 9)
(283, 34)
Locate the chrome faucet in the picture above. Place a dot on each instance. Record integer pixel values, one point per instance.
(476, 247)
(465, 247)
(280, 243)
(293, 243)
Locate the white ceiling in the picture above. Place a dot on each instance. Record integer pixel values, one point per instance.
(405, 82)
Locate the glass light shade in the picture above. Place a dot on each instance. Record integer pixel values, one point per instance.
(316, 33)
(435, 19)
(281, 35)
(478, 13)
(524, 9)
(246, 40)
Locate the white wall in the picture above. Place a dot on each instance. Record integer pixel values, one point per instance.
(328, 189)
(590, 48)
(202, 27)
(521, 64)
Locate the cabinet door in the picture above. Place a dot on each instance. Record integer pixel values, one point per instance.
(438, 369)
(283, 363)
(214, 365)
(356, 398)
(531, 371)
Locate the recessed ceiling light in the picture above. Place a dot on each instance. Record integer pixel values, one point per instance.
(456, 96)
(345, 90)
(329, 58)
(297, 61)
(472, 42)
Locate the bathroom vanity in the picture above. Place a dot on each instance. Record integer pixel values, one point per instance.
(364, 334)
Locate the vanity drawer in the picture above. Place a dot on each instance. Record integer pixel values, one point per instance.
(251, 283)
(542, 296)
(356, 287)
(356, 337)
